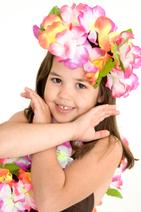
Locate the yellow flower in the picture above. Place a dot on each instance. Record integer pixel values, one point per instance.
(50, 27)
(5, 175)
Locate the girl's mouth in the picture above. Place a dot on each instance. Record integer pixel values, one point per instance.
(64, 108)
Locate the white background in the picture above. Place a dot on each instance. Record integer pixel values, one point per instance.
(20, 57)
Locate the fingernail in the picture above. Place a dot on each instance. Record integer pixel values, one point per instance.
(107, 133)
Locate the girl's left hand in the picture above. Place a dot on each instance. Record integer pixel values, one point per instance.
(38, 105)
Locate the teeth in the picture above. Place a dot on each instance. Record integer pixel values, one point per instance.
(64, 107)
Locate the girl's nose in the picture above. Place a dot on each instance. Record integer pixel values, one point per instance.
(65, 92)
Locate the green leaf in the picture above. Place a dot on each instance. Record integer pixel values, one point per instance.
(114, 192)
(117, 56)
(109, 65)
(42, 29)
(126, 40)
(56, 11)
(12, 167)
(128, 30)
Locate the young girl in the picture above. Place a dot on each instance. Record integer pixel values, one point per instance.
(88, 65)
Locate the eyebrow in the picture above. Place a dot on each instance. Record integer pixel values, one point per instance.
(57, 75)
(54, 74)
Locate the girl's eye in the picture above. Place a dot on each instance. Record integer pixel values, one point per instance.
(81, 86)
(56, 80)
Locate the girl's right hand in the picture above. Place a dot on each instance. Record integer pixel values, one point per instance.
(38, 105)
(85, 124)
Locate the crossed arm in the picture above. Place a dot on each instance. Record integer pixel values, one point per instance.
(56, 189)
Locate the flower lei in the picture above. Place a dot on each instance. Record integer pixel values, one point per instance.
(82, 36)
(15, 180)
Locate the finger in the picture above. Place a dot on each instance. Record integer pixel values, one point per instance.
(108, 113)
(105, 107)
(101, 134)
(103, 112)
(35, 103)
(30, 94)
(40, 100)
(100, 117)
(27, 93)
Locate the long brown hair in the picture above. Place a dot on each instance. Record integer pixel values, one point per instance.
(108, 123)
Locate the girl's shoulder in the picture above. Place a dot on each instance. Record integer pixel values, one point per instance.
(18, 117)
(109, 145)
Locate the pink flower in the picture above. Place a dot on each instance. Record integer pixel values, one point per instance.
(70, 14)
(70, 33)
(36, 30)
(137, 56)
(22, 162)
(119, 84)
(105, 28)
(88, 18)
(117, 181)
(6, 199)
(97, 59)
(22, 196)
(70, 47)
(5, 176)
(50, 26)
(64, 153)
(129, 54)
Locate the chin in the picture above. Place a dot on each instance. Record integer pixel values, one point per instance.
(64, 119)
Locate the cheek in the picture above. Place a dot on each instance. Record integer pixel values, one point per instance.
(47, 94)
(47, 98)
(87, 103)
(90, 100)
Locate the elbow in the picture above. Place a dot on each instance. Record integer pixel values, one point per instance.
(47, 204)
(2, 149)
(53, 201)
(5, 149)
(3, 142)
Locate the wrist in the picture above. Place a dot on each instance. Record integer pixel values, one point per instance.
(73, 127)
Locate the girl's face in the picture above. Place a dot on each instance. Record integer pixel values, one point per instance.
(67, 93)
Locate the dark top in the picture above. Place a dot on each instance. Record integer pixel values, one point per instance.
(85, 205)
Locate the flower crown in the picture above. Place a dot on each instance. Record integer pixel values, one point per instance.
(81, 36)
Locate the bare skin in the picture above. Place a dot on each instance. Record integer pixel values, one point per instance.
(77, 120)
(34, 137)
(55, 193)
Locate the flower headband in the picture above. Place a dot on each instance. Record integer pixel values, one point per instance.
(81, 36)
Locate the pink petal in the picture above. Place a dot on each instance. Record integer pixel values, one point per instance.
(36, 30)
(137, 56)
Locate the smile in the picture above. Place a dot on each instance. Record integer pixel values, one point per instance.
(64, 108)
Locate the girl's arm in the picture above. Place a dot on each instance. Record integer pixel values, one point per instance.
(56, 189)
(19, 138)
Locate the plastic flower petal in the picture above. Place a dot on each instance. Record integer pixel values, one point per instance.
(69, 14)
(74, 52)
(22, 197)
(137, 56)
(119, 84)
(6, 200)
(105, 28)
(64, 153)
(88, 18)
(5, 175)
(68, 31)
(50, 26)
(117, 181)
